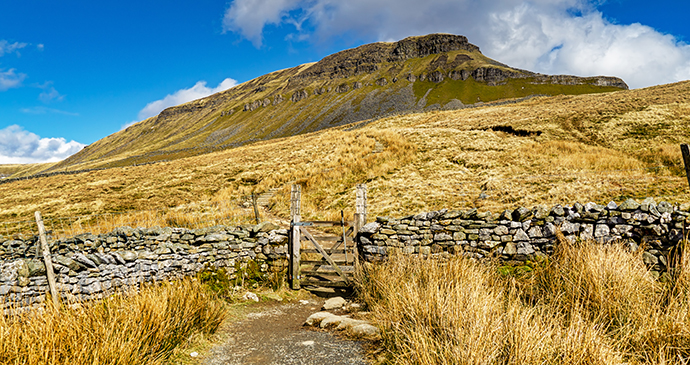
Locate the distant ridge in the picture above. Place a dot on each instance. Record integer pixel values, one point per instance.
(436, 71)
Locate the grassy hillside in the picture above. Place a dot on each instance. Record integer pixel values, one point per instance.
(18, 170)
(415, 74)
(561, 149)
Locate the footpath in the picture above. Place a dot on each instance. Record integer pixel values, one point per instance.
(277, 334)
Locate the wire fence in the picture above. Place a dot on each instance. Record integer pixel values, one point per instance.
(195, 215)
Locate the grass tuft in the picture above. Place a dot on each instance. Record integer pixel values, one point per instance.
(138, 328)
(589, 304)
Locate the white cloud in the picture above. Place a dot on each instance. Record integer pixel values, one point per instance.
(10, 79)
(49, 94)
(549, 36)
(7, 47)
(45, 110)
(20, 146)
(199, 90)
(250, 17)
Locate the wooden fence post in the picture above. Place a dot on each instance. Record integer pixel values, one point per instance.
(295, 235)
(47, 260)
(256, 208)
(686, 159)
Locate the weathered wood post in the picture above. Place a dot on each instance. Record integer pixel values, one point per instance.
(360, 217)
(360, 207)
(47, 260)
(256, 208)
(295, 235)
(686, 159)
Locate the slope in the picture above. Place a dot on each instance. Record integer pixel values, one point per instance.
(550, 150)
(438, 71)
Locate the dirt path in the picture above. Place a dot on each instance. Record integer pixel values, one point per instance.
(275, 335)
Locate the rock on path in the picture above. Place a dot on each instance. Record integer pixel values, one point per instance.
(276, 336)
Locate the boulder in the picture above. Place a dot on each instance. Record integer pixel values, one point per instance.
(334, 303)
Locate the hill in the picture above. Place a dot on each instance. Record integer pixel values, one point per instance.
(545, 150)
(433, 72)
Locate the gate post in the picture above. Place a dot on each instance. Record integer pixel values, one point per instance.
(295, 234)
(360, 207)
(360, 218)
(685, 151)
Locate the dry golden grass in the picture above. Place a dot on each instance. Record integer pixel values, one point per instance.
(192, 215)
(591, 304)
(598, 147)
(139, 328)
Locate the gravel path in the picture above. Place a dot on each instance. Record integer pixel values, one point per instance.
(276, 336)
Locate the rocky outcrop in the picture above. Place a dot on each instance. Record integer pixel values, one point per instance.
(604, 81)
(367, 58)
(299, 95)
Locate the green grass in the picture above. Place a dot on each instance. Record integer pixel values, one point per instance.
(471, 91)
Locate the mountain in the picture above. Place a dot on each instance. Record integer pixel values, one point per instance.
(437, 71)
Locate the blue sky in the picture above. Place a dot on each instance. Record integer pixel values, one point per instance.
(73, 72)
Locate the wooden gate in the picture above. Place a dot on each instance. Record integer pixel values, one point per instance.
(317, 259)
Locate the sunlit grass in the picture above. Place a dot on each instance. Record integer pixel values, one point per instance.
(590, 304)
(143, 327)
(589, 149)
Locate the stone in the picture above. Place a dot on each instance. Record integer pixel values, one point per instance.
(520, 235)
(334, 303)
(443, 237)
(664, 207)
(540, 212)
(128, 256)
(249, 296)
(629, 205)
(522, 214)
(266, 227)
(501, 230)
(67, 262)
(649, 259)
(82, 259)
(36, 268)
(549, 230)
(510, 249)
(601, 230)
(365, 330)
(535, 232)
(316, 318)
(558, 211)
(568, 228)
(524, 248)
(612, 205)
(586, 232)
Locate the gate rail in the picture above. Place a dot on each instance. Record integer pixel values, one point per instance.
(330, 270)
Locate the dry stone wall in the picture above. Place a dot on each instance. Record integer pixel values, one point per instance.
(92, 266)
(524, 234)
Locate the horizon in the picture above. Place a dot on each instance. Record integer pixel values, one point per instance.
(71, 75)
